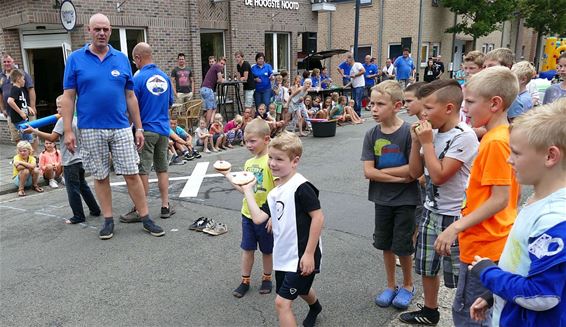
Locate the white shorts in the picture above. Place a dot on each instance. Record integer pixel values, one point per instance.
(98, 144)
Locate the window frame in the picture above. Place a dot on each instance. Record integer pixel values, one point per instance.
(275, 52)
(424, 58)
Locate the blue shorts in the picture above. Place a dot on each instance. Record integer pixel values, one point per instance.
(289, 285)
(16, 180)
(253, 234)
(209, 98)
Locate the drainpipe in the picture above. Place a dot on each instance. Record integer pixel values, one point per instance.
(356, 29)
(380, 36)
(419, 41)
(328, 67)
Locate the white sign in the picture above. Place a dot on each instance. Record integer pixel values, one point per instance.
(68, 15)
(275, 4)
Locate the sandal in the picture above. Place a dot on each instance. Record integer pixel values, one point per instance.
(403, 298)
(386, 297)
(37, 188)
(21, 192)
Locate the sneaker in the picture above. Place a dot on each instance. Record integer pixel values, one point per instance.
(196, 154)
(241, 290)
(167, 212)
(53, 183)
(176, 160)
(217, 229)
(424, 316)
(266, 286)
(210, 225)
(188, 156)
(150, 227)
(131, 217)
(107, 230)
(62, 181)
(199, 224)
(74, 220)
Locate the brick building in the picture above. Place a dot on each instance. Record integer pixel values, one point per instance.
(386, 27)
(31, 31)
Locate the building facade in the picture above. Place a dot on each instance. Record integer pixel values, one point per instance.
(386, 27)
(32, 33)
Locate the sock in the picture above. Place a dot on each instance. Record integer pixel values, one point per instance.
(314, 310)
(266, 277)
(246, 280)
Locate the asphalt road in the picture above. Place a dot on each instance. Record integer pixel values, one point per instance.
(52, 274)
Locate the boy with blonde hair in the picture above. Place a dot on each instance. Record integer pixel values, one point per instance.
(385, 156)
(445, 157)
(524, 102)
(296, 229)
(528, 282)
(491, 198)
(499, 57)
(256, 137)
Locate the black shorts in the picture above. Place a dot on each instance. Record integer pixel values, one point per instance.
(289, 285)
(394, 228)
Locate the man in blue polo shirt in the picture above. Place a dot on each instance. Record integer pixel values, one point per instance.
(101, 78)
(154, 92)
(370, 75)
(344, 69)
(405, 68)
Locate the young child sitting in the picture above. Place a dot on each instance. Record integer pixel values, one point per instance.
(315, 107)
(25, 173)
(233, 131)
(338, 111)
(182, 141)
(296, 229)
(324, 112)
(204, 138)
(50, 164)
(217, 131)
(528, 283)
(350, 114)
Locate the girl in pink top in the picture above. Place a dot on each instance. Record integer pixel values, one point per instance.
(50, 164)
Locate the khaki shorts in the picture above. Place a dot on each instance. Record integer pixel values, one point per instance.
(154, 152)
(15, 135)
(183, 97)
(248, 98)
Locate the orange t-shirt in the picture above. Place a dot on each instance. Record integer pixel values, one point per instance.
(490, 168)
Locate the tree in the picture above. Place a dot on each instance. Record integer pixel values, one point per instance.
(480, 17)
(546, 17)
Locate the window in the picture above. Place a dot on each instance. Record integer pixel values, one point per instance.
(278, 51)
(424, 54)
(490, 47)
(125, 39)
(211, 44)
(435, 3)
(484, 48)
(394, 51)
(363, 51)
(435, 49)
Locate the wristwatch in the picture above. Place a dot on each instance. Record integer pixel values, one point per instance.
(139, 130)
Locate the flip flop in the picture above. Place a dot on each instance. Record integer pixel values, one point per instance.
(21, 193)
(37, 188)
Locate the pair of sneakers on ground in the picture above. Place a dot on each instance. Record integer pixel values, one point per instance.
(208, 226)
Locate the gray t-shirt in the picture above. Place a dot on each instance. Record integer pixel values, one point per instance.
(460, 143)
(68, 157)
(553, 93)
(386, 151)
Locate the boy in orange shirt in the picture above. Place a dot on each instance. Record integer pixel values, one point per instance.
(490, 207)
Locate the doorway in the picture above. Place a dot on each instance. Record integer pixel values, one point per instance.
(47, 68)
(211, 44)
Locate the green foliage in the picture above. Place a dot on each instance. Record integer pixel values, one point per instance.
(480, 17)
(547, 17)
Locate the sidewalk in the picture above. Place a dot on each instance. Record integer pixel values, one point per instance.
(7, 152)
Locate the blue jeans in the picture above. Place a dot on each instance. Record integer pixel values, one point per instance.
(262, 96)
(76, 186)
(358, 94)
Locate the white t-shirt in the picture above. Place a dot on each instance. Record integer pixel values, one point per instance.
(357, 81)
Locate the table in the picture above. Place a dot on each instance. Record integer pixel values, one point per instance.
(222, 93)
(323, 93)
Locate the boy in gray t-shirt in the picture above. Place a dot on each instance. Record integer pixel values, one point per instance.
(447, 157)
(73, 172)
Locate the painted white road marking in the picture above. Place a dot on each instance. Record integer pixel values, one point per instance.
(193, 184)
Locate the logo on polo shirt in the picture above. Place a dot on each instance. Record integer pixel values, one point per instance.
(115, 73)
(156, 84)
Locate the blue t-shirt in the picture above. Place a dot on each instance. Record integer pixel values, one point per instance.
(404, 67)
(346, 68)
(154, 92)
(181, 132)
(262, 73)
(522, 104)
(371, 69)
(101, 87)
